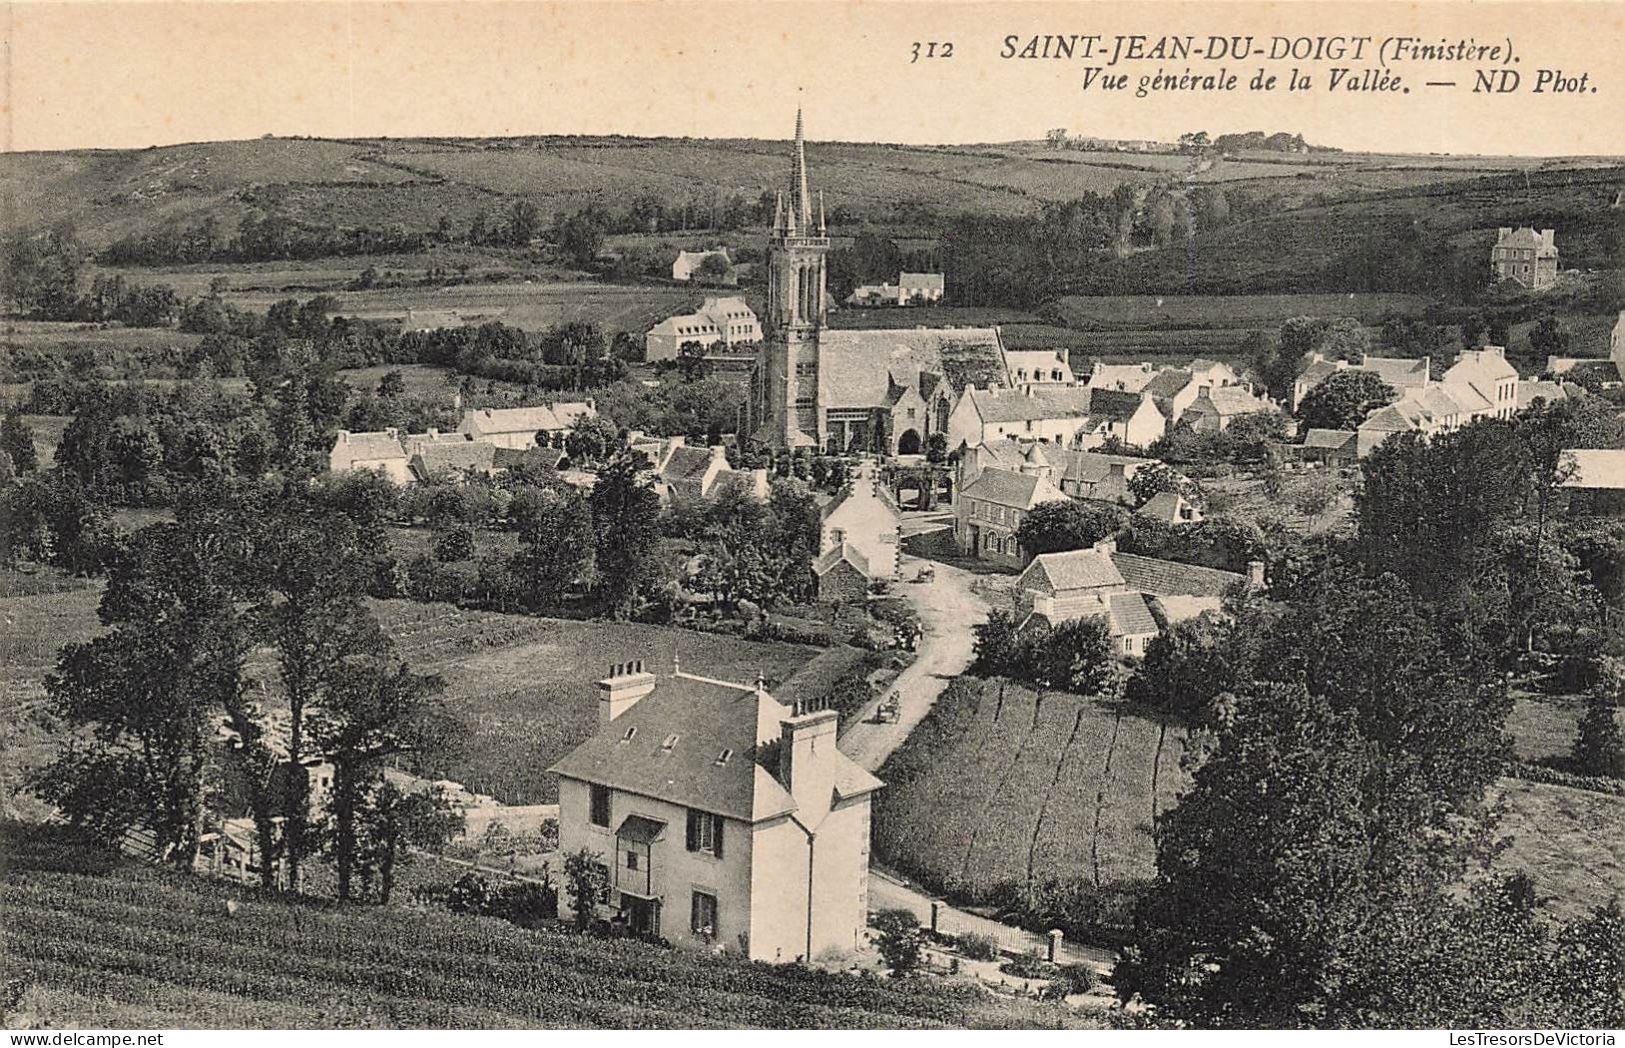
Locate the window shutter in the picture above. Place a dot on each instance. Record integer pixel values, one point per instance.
(694, 911)
(693, 830)
(716, 827)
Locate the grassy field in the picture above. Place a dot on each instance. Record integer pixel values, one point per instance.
(1254, 312)
(1004, 784)
(1572, 842)
(93, 943)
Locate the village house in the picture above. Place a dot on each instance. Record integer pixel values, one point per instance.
(1039, 367)
(685, 474)
(910, 289)
(1135, 594)
(1479, 384)
(1215, 407)
(1130, 378)
(1333, 447)
(1079, 474)
(1523, 255)
(1171, 508)
(724, 819)
(859, 539)
(1051, 413)
(376, 451)
(455, 460)
(719, 321)
(688, 263)
(1403, 374)
(1132, 418)
(516, 428)
(989, 510)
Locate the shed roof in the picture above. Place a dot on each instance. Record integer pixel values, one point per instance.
(1172, 578)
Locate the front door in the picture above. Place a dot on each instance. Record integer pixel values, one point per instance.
(643, 916)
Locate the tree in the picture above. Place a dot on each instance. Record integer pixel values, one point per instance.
(626, 517)
(1149, 481)
(1187, 666)
(1599, 749)
(376, 709)
(146, 693)
(393, 384)
(1055, 527)
(556, 547)
(898, 938)
(586, 878)
(936, 448)
(997, 644)
(592, 439)
(1548, 337)
(1075, 656)
(715, 267)
(524, 222)
(1343, 400)
(17, 441)
(454, 544)
(397, 821)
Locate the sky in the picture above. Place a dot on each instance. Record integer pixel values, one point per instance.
(132, 74)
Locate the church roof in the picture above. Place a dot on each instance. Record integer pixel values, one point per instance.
(856, 369)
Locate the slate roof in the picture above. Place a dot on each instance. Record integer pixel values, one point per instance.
(1531, 390)
(377, 445)
(1329, 439)
(856, 368)
(1035, 403)
(1130, 616)
(1171, 578)
(686, 463)
(1072, 570)
(1317, 372)
(1165, 506)
(924, 281)
(1233, 400)
(836, 554)
(1009, 488)
(508, 458)
(702, 717)
(1118, 405)
(510, 420)
(470, 456)
(1167, 382)
(1525, 237)
(1399, 372)
(1131, 377)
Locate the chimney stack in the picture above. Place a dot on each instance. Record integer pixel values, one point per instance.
(807, 762)
(626, 684)
(719, 453)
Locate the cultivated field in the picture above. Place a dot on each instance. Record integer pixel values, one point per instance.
(1572, 842)
(93, 943)
(1002, 784)
(525, 686)
(1176, 313)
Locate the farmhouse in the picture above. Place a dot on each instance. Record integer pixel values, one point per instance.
(688, 263)
(879, 391)
(910, 289)
(723, 818)
(1079, 474)
(726, 321)
(377, 451)
(1215, 407)
(858, 539)
(1040, 367)
(990, 509)
(685, 474)
(1033, 412)
(516, 428)
(1525, 256)
(1134, 593)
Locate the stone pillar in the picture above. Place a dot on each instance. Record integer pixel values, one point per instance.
(936, 917)
(1054, 955)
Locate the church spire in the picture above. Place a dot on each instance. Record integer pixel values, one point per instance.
(801, 217)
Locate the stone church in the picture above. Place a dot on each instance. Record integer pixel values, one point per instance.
(878, 391)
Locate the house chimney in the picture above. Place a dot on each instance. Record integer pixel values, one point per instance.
(1107, 545)
(1502, 232)
(807, 760)
(394, 434)
(676, 442)
(344, 436)
(626, 684)
(719, 453)
(1548, 237)
(1255, 574)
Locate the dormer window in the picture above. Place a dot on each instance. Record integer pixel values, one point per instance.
(669, 743)
(631, 733)
(724, 757)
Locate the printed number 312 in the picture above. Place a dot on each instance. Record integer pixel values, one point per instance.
(932, 49)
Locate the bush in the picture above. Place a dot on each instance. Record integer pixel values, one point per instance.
(977, 947)
(1030, 965)
(1069, 979)
(898, 940)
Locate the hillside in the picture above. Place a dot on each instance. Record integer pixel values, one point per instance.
(414, 183)
(91, 941)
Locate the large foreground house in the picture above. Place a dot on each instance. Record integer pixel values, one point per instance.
(719, 321)
(989, 510)
(724, 819)
(1526, 256)
(877, 391)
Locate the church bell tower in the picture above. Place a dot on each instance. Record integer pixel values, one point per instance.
(785, 388)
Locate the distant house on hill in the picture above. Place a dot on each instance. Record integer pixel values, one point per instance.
(1170, 507)
(910, 289)
(726, 321)
(1526, 256)
(723, 817)
(688, 263)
